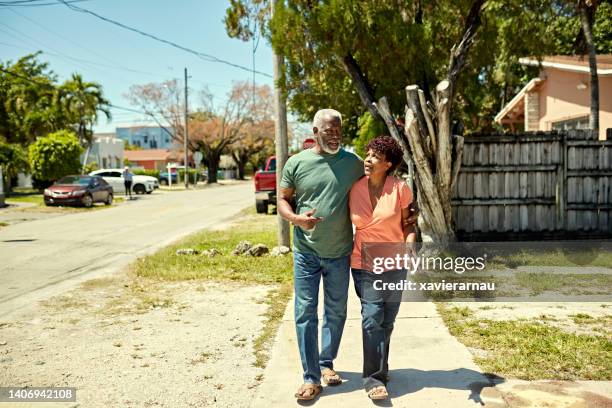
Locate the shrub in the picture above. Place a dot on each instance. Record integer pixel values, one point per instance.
(89, 167)
(53, 157)
(144, 172)
(192, 173)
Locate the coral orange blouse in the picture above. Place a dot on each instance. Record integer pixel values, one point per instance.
(384, 222)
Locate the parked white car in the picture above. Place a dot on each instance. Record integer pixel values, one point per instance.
(150, 179)
(114, 177)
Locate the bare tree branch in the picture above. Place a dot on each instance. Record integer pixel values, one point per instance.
(459, 52)
(364, 89)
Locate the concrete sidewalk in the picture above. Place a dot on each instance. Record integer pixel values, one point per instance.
(428, 366)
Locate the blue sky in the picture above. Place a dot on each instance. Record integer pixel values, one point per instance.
(113, 53)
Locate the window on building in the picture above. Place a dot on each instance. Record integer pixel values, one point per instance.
(576, 123)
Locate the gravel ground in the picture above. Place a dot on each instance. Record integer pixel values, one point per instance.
(133, 343)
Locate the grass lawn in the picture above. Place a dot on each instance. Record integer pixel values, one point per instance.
(276, 271)
(568, 284)
(166, 265)
(27, 198)
(555, 257)
(531, 350)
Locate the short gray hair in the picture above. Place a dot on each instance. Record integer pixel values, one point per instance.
(323, 114)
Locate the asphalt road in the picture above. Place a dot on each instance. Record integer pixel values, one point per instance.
(43, 257)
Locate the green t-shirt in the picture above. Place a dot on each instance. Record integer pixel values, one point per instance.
(323, 181)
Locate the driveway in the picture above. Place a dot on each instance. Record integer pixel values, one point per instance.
(43, 257)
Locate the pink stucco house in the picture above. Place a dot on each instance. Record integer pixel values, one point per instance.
(560, 97)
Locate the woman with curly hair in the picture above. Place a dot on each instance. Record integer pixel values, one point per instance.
(379, 209)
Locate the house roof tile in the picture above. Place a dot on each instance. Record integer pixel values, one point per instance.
(148, 154)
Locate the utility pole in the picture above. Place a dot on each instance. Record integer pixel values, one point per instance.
(1, 189)
(186, 134)
(280, 137)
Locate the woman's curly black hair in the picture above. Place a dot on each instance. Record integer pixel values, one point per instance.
(389, 148)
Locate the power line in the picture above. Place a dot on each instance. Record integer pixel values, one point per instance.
(129, 109)
(84, 60)
(204, 56)
(33, 3)
(51, 86)
(115, 64)
(96, 63)
(65, 38)
(36, 43)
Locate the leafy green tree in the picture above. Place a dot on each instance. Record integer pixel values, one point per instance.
(28, 107)
(80, 102)
(354, 54)
(33, 104)
(369, 128)
(54, 156)
(395, 44)
(13, 160)
(566, 29)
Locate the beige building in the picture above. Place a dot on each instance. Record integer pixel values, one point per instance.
(559, 98)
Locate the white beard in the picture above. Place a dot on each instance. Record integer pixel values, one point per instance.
(326, 148)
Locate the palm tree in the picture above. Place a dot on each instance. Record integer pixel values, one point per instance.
(586, 9)
(81, 102)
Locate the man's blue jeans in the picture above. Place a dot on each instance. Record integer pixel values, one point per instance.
(308, 270)
(378, 312)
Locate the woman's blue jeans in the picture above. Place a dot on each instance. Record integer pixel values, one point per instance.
(308, 270)
(378, 312)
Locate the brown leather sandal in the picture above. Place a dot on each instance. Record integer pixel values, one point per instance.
(378, 393)
(330, 377)
(308, 392)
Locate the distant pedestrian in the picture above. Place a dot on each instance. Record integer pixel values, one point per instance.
(127, 181)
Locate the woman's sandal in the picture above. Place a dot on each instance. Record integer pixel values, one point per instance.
(378, 393)
(330, 377)
(308, 392)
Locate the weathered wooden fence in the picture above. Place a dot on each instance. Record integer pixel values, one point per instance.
(534, 185)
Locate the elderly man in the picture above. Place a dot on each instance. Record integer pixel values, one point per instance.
(320, 179)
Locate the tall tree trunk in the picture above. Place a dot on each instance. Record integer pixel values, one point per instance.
(213, 165)
(587, 13)
(241, 158)
(241, 166)
(426, 139)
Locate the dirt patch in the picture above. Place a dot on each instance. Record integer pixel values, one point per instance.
(547, 394)
(136, 343)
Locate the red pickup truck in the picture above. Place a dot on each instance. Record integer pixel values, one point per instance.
(265, 181)
(265, 186)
